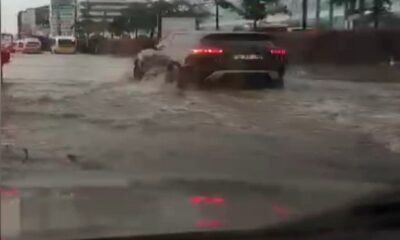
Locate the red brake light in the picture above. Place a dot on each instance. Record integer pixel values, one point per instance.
(280, 52)
(207, 51)
(207, 200)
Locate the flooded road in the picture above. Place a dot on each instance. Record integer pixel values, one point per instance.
(81, 123)
(85, 112)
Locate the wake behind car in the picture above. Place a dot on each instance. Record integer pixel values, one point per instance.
(217, 58)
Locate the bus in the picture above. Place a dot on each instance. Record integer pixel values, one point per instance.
(63, 45)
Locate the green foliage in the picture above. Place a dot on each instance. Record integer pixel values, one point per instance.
(139, 16)
(254, 9)
(378, 8)
(375, 6)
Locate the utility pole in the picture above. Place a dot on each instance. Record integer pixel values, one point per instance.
(362, 7)
(216, 15)
(159, 19)
(317, 13)
(1, 39)
(75, 16)
(331, 8)
(159, 25)
(58, 22)
(305, 14)
(376, 13)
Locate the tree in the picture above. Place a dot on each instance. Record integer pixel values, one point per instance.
(118, 26)
(378, 8)
(148, 15)
(86, 26)
(317, 13)
(138, 16)
(305, 14)
(160, 8)
(331, 12)
(255, 9)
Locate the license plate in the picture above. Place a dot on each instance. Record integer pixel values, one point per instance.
(248, 57)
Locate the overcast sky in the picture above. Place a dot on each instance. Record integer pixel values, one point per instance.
(10, 10)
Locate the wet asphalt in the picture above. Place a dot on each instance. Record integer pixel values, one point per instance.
(85, 112)
(78, 134)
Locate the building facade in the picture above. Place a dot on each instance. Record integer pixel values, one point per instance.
(101, 10)
(339, 21)
(34, 22)
(62, 17)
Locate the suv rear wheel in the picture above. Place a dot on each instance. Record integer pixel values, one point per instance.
(137, 71)
(172, 73)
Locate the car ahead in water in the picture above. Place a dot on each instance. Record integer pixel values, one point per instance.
(28, 45)
(64, 45)
(206, 59)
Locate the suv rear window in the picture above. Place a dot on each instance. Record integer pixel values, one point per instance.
(237, 37)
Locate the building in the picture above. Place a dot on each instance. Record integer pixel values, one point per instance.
(34, 22)
(62, 17)
(102, 10)
(339, 21)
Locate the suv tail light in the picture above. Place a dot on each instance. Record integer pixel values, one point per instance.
(278, 52)
(207, 51)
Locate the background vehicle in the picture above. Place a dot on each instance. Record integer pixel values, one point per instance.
(211, 58)
(5, 56)
(7, 42)
(28, 45)
(64, 45)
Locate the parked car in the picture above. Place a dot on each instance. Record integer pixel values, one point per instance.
(28, 45)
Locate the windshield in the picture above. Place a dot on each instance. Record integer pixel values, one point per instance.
(66, 43)
(154, 117)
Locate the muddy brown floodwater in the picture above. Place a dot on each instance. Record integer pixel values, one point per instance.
(81, 112)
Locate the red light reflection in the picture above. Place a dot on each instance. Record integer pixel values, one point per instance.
(8, 192)
(207, 200)
(278, 51)
(208, 223)
(281, 212)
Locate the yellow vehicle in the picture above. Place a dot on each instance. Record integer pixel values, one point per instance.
(64, 45)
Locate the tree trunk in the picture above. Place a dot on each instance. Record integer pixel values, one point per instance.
(254, 24)
(362, 7)
(305, 14)
(136, 33)
(318, 13)
(159, 25)
(331, 12)
(376, 13)
(152, 33)
(216, 15)
(346, 15)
